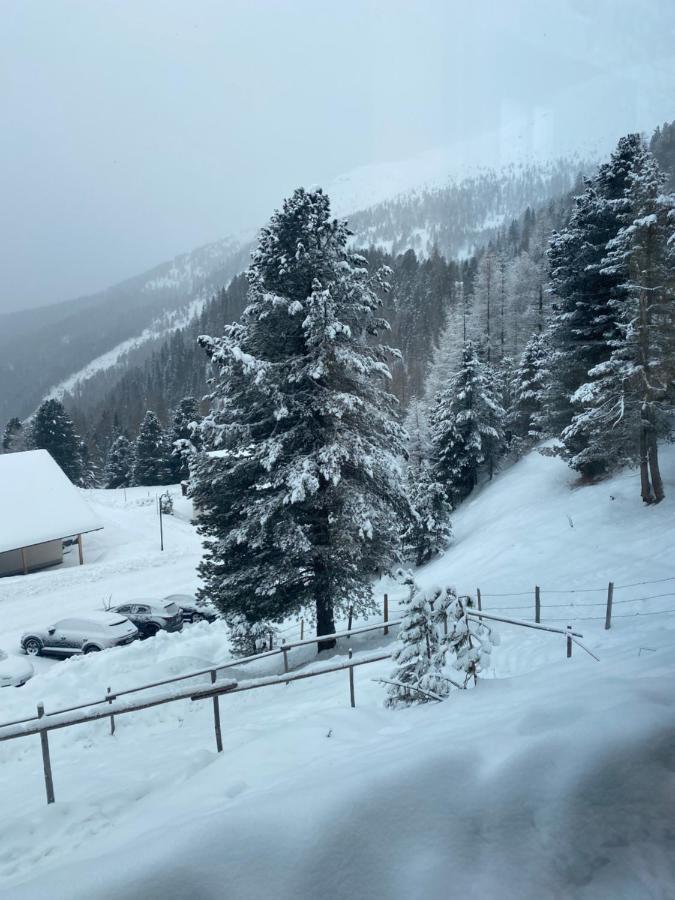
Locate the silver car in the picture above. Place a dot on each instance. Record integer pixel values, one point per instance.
(151, 616)
(14, 671)
(80, 634)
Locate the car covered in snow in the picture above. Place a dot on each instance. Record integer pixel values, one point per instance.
(80, 634)
(151, 616)
(194, 610)
(14, 671)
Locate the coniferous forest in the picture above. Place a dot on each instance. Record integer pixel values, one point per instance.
(356, 398)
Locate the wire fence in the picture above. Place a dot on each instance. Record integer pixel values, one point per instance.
(575, 606)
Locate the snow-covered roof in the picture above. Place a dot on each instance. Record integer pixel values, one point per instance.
(38, 502)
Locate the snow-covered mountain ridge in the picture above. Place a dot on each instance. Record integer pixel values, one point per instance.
(122, 325)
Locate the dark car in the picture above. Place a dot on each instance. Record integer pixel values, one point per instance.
(194, 610)
(151, 616)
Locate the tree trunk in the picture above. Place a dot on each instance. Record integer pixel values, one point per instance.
(654, 471)
(645, 486)
(325, 623)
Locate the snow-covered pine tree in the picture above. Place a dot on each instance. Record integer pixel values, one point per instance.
(151, 454)
(447, 354)
(585, 320)
(415, 678)
(624, 404)
(467, 428)
(119, 464)
(429, 532)
(249, 638)
(89, 477)
(12, 436)
(52, 429)
(183, 438)
(303, 503)
(468, 642)
(523, 418)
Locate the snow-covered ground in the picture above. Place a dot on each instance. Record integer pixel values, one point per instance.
(555, 778)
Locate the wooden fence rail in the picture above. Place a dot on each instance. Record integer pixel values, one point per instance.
(112, 706)
(230, 664)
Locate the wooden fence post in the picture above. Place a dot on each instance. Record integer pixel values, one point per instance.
(479, 603)
(537, 605)
(79, 549)
(112, 718)
(351, 683)
(302, 629)
(216, 715)
(569, 641)
(46, 761)
(285, 652)
(349, 618)
(610, 598)
(271, 641)
(386, 613)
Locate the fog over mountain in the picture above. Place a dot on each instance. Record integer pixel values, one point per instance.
(134, 132)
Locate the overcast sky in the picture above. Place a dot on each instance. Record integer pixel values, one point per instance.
(133, 130)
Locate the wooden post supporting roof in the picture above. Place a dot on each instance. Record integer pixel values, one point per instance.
(79, 549)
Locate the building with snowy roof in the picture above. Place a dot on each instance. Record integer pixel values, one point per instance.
(39, 509)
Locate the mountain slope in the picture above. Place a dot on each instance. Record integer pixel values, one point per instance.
(123, 325)
(554, 778)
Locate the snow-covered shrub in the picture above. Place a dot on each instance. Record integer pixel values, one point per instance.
(468, 643)
(248, 638)
(435, 636)
(416, 655)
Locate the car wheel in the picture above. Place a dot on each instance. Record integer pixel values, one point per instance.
(151, 631)
(33, 647)
(91, 649)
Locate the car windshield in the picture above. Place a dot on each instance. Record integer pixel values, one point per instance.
(170, 608)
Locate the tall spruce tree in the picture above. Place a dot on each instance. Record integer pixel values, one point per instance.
(428, 533)
(53, 430)
(119, 463)
(183, 437)
(467, 427)
(624, 405)
(523, 419)
(301, 506)
(585, 321)
(151, 455)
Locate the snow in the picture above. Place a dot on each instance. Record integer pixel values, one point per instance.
(161, 327)
(553, 778)
(39, 503)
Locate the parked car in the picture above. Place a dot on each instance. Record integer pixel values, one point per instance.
(80, 634)
(151, 616)
(194, 610)
(14, 671)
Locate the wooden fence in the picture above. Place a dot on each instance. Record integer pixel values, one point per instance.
(120, 702)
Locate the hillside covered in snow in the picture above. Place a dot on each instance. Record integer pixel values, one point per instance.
(457, 209)
(554, 777)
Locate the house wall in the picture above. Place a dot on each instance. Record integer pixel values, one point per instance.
(37, 557)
